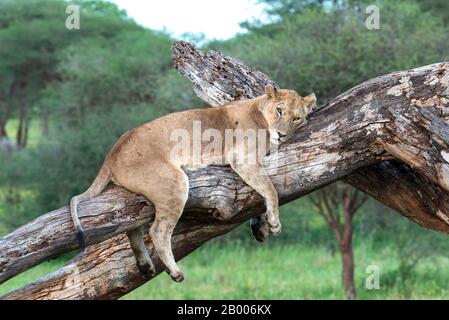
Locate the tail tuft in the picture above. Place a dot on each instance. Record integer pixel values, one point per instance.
(81, 238)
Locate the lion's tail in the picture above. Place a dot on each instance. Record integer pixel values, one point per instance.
(100, 182)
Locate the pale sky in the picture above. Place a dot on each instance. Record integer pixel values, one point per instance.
(217, 19)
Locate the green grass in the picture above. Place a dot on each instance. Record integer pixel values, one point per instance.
(270, 271)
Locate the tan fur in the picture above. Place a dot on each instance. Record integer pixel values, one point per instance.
(141, 162)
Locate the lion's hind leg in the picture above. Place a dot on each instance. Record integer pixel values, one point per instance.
(144, 262)
(168, 189)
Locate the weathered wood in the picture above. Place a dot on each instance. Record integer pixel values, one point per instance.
(52, 234)
(216, 78)
(350, 133)
(397, 186)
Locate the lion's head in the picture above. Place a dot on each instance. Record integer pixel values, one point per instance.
(285, 111)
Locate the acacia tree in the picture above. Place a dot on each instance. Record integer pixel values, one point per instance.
(33, 38)
(6, 92)
(337, 204)
(30, 34)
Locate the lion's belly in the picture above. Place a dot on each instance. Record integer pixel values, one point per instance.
(198, 162)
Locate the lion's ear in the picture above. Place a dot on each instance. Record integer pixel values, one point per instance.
(310, 101)
(270, 91)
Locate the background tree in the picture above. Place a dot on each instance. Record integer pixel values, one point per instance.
(337, 204)
(33, 38)
(30, 34)
(438, 8)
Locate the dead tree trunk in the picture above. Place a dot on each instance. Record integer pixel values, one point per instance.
(401, 115)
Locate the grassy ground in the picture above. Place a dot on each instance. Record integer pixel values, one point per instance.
(230, 271)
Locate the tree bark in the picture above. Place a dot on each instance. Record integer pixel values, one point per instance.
(347, 258)
(346, 250)
(3, 133)
(402, 115)
(6, 112)
(22, 129)
(397, 186)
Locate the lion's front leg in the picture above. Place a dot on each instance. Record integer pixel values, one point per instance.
(256, 177)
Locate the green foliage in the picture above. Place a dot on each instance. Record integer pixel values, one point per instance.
(98, 73)
(102, 8)
(328, 52)
(68, 74)
(410, 246)
(438, 8)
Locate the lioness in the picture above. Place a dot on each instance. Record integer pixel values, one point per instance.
(142, 161)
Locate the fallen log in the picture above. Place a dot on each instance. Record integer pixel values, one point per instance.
(402, 115)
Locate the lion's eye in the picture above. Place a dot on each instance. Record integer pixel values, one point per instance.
(279, 112)
(297, 119)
